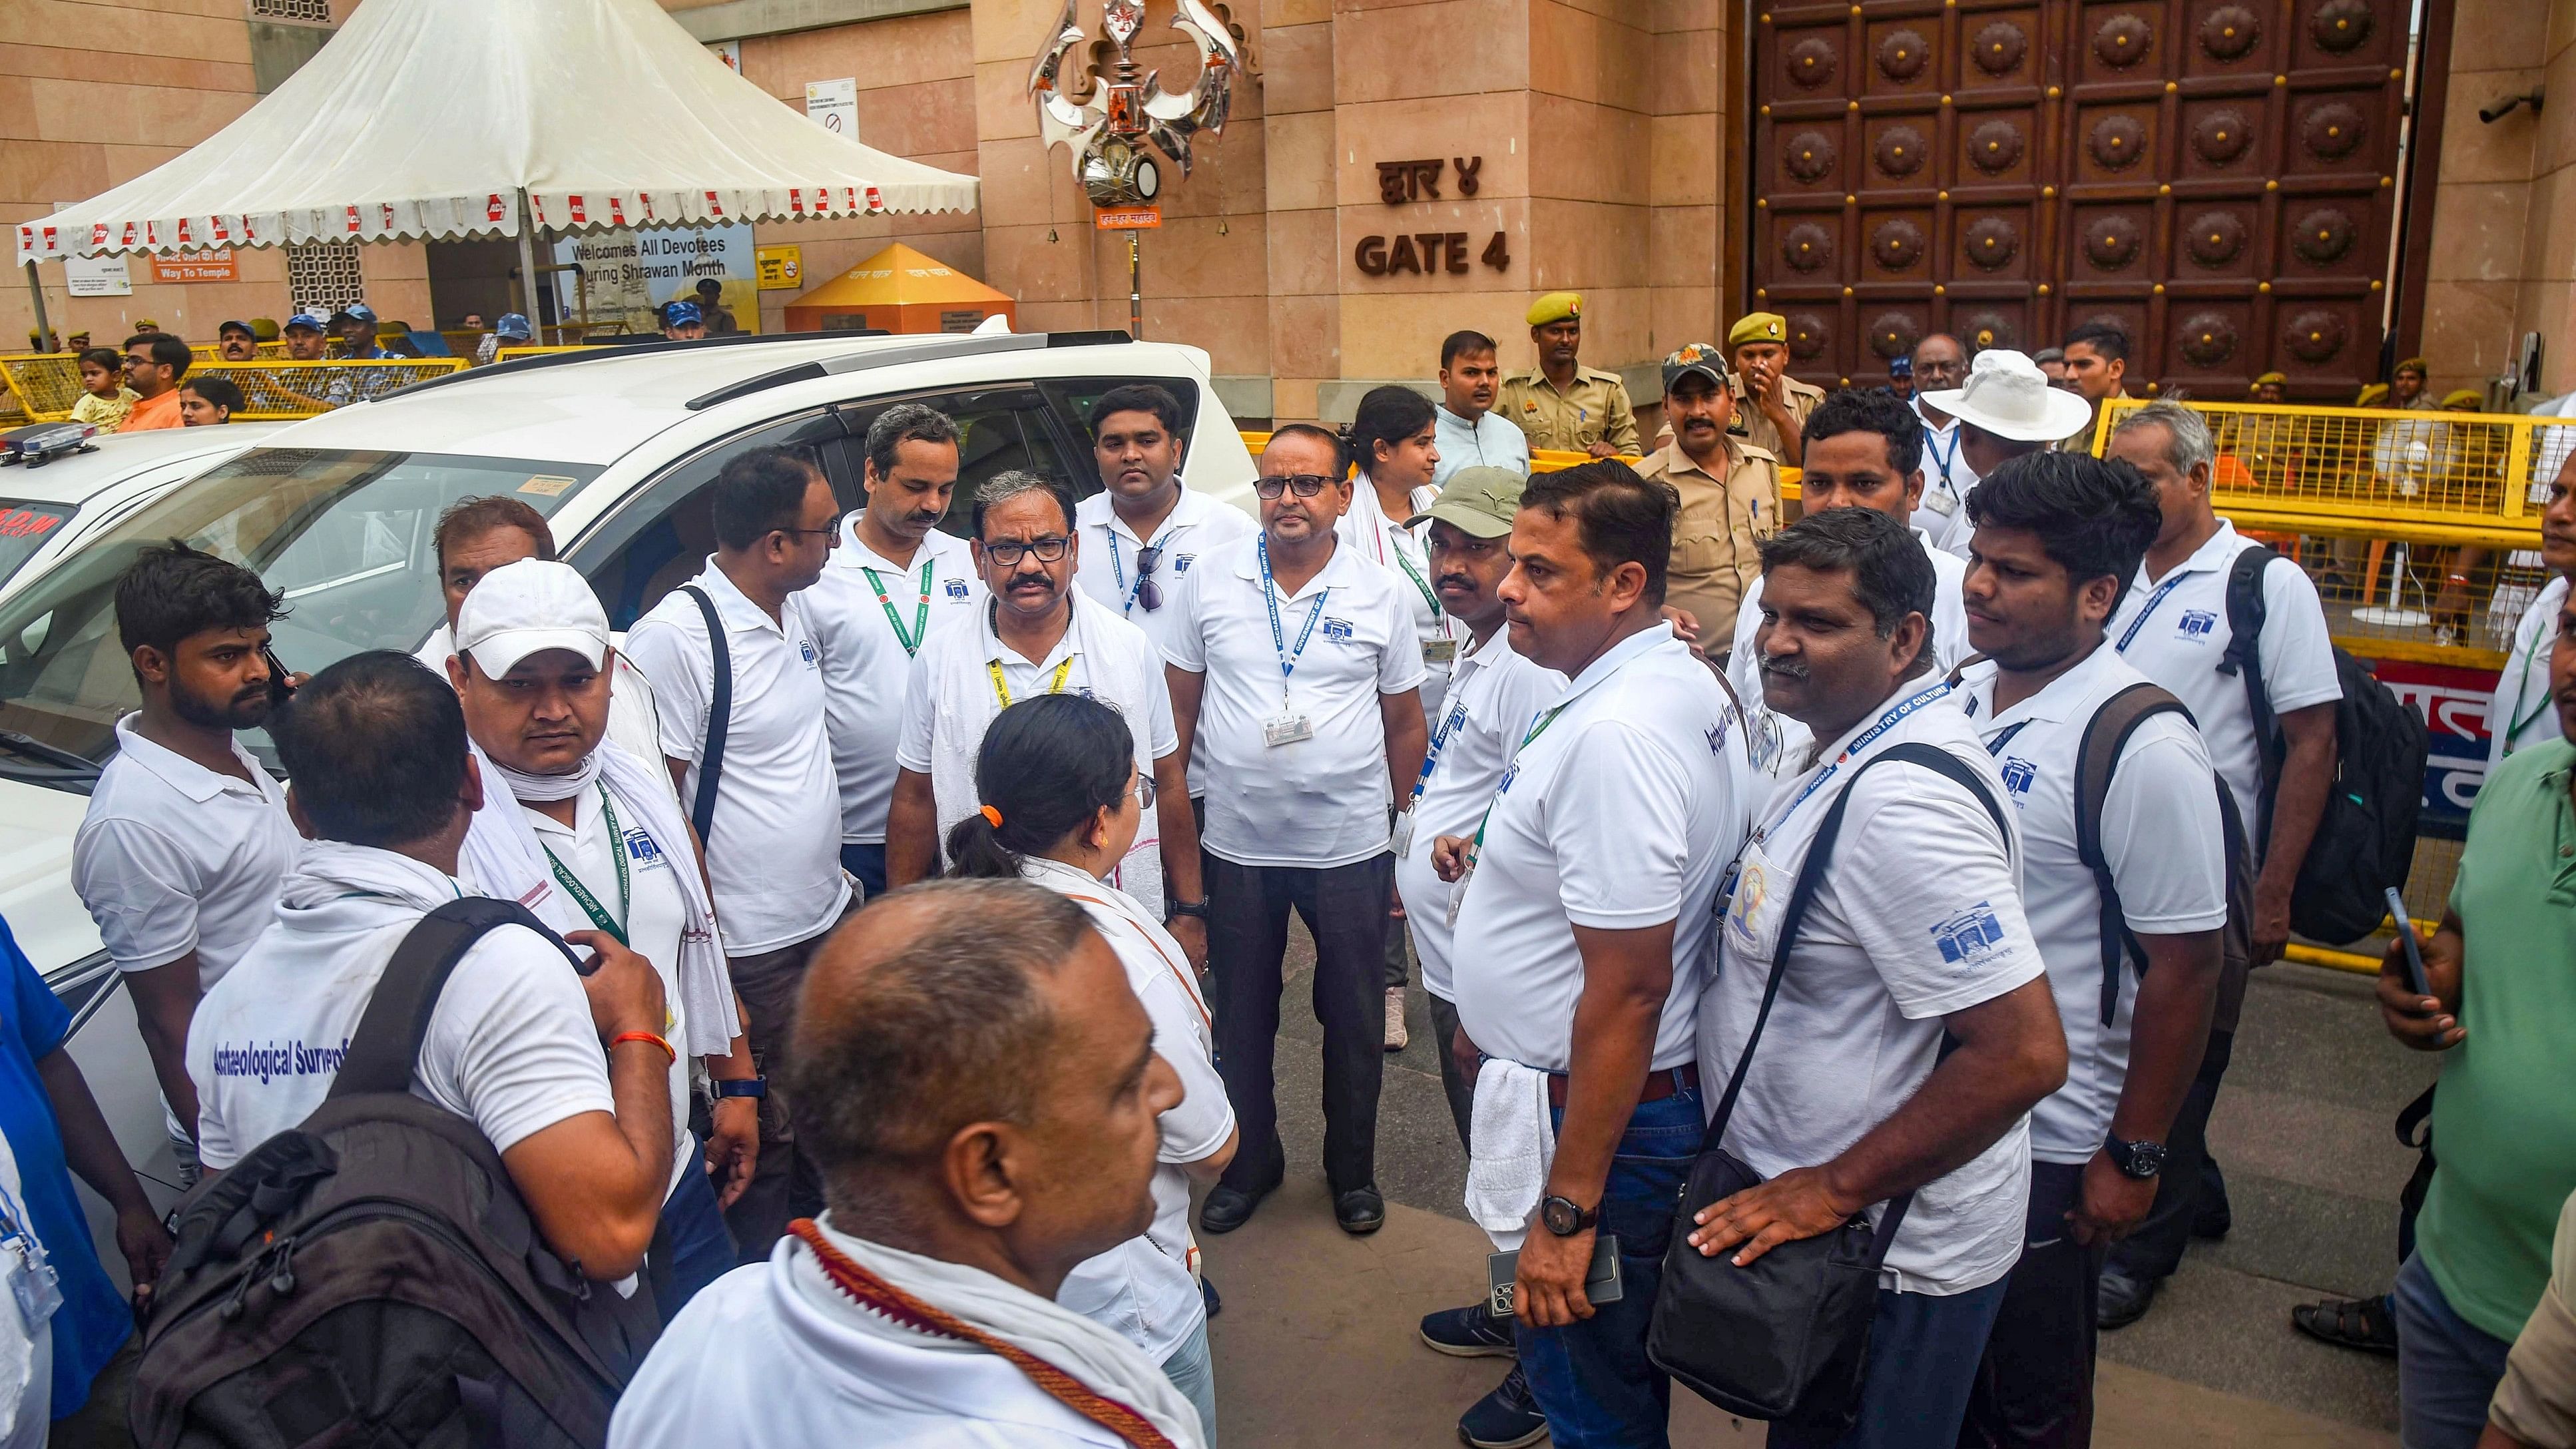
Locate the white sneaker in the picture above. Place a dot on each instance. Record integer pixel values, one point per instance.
(1396, 1036)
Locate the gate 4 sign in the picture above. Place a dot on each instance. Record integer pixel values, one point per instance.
(1424, 253)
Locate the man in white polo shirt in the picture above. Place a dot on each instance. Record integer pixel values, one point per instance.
(1295, 660)
(1913, 1030)
(769, 810)
(2003, 408)
(895, 580)
(1941, 364)
(2174, 628)
(2057, 541)
(1034, 636)
(1584, 899)
(567, 1076)
(1864, 450)
(186, 838)
(1143, 532)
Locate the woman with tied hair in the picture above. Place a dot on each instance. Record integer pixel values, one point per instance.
(1394, 442)
(1061, 802)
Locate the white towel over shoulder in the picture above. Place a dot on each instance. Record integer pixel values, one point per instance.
(1512, 1141)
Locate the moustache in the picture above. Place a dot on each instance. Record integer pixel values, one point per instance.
(1460, 582)
(1783, 669)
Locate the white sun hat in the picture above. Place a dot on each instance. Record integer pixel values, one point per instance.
(2007, 395)
(526, 607)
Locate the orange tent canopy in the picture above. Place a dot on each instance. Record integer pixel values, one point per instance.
(898, 290)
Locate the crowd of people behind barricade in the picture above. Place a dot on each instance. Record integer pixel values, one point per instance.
(1835, 932)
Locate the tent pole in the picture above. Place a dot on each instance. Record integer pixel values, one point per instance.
(528, 262)
(36, 293)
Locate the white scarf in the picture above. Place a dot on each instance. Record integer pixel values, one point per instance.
(503, 858)
(330, 870)
(1097, 1357)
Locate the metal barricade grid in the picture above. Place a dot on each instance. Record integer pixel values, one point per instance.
(42, 387)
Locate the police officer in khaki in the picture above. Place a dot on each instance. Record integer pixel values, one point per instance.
(1771, 407)
(1730, 493)
(1561, 404)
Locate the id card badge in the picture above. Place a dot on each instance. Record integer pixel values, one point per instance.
(1401, 841)
(1458, 892)
(1940, 502)
(36, 1287)
(1439, 651)
(1286, 729)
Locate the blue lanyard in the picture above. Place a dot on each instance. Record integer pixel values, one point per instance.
(1933, 439)
(1996, 745)
(1278, 636)
(1886, 722)
(1431, 758)
(1120, 573)
(2158, 597)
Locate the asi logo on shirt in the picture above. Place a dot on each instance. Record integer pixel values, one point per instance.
(1181, 562)
(1338, 630)
(2196, 625)
(644, 850)
(1969, 935)
(805, 648)
(2019, 775)
(956, 588)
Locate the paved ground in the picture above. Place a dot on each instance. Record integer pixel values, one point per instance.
(1316, 1345)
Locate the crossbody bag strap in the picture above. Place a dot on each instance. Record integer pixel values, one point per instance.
(702, 813)
(385, 1049)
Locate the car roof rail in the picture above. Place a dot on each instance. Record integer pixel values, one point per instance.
(619, 349)
(928, 349)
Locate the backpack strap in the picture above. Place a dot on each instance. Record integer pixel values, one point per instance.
(385, 1049)
(702, 813)
(2247, 610)
(2097, 760)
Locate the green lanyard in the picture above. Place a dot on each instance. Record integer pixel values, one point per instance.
(1536, 730)
(1415, 574)
(2514, 727)
(920, 621)
(581, 895)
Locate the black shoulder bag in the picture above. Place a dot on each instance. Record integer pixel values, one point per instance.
(702, 813)
(1786, 1338)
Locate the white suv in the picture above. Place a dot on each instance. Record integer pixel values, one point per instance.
(619, 449)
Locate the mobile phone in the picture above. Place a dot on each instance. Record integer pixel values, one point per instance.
(279, 691)
(1601, 1280)
(2415, 976)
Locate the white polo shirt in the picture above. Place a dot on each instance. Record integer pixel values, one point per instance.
(1196, 527)
(1491, 441)
(1493, 699)
(1318, 802)
(2520, 714)
(949, 701)
(1918, 915)
(1621, 813)
(1949, 646)
(2160, 836)
(510, 1046)
(1406, 552)
(173, 857)
(2174, 631)
(774, 850)
(857, 607)
(1942, 516)
(648, 908)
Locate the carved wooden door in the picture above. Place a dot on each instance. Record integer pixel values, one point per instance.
(2213, 176)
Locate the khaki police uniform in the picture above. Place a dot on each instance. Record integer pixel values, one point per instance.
(2083, 442)
(1717, 537)
(1594, 409)
(1753, 426)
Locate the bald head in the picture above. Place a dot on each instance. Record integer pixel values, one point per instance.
(1940, 363)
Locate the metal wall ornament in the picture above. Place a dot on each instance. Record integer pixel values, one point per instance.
(1128, 110)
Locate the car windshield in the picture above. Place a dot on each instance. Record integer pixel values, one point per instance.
(24, 527)
(345, 534)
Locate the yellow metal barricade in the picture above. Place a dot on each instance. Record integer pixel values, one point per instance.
(511, 353)
(210, 352)
(278, 390)
(44, 385)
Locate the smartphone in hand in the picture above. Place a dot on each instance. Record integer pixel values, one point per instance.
(2415, 974)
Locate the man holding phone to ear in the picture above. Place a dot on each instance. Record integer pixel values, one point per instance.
(187, 839)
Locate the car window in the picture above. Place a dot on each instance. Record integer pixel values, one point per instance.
(660, 539)
(26, 527)
(1074, 398)
(344, 534)
(999, 430)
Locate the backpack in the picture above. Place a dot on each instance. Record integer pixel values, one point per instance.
(373, 1277)
(2365, 840)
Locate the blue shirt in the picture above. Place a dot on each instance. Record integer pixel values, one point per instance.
(93, 1322)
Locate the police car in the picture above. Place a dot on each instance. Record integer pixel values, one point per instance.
(618, 448)
(51, 507)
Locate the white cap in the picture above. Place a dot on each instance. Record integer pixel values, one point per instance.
(522, 608)
(2007, 395)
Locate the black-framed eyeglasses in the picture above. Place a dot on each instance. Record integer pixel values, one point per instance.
(1009, 552)
(1148, 592)
(1304, 485)
(828, 530)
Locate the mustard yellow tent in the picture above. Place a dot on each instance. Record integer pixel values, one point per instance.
(898, 290)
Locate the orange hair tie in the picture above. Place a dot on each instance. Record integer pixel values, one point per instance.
(992, 817)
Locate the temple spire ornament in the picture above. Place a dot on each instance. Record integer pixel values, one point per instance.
(1128, 115)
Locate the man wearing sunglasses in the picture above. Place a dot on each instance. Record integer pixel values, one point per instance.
(1033, 634)
(1143, 530)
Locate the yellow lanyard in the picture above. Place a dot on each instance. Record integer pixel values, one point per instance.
(1002, 691)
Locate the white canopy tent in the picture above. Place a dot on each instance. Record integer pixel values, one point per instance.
(450, 118)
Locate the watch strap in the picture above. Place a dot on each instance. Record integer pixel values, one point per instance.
(1197, 909)
(742, 1087)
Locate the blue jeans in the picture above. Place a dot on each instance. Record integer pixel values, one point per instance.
(1923, 1356)
(1192, 1370)
(2447, 1368)
(1591, 1378)
(694, 1237)
(866, 865)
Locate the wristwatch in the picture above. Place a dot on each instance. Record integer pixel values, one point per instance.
(2139, 1160)
(1197, 908)
(743, 1087)
(1563, 1218)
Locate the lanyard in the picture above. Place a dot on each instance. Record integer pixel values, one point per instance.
(1996, 745)
(1933, 439)
(1437, 617)
(1278, 636)
(1886, 722)
(1535, 731)
(1431, 758)
(2522, 686)
(2158, 597)
(921, 621)
(1002, 691)
(580, 893)
(1128, 593)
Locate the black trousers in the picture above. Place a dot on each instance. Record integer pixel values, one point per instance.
(786, 1184)
(2034, 1388)
(1344, 909)
(2189, 1183)
(1453, 1083)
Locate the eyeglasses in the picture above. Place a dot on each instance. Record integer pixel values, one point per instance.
(1009, 552)
(826, 531)
(1304, 485)
(1148, 592)
(1144, 791)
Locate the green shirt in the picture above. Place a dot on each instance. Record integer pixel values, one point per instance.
(2504, 1121)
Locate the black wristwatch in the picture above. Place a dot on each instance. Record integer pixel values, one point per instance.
(1197, 909)
(1561, 1217)
(743, 1087)
(2139, 1160)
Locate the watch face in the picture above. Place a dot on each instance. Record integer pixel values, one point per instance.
(1561, 1216)
(2146, 1159)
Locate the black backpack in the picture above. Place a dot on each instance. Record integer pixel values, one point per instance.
(2365, 840)
(372, 1277)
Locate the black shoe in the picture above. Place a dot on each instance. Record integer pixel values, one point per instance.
(2212, 1224)
(1207, 1291)
(1228, 1208)
(1504, 1419)
(1360, 1211)
(2122, 1300)
(2368, 1324)
(1469, 1332)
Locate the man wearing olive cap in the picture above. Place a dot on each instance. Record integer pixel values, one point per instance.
(1730, 491)
(1771, 407)
(1560, 403)
(2269, 444)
